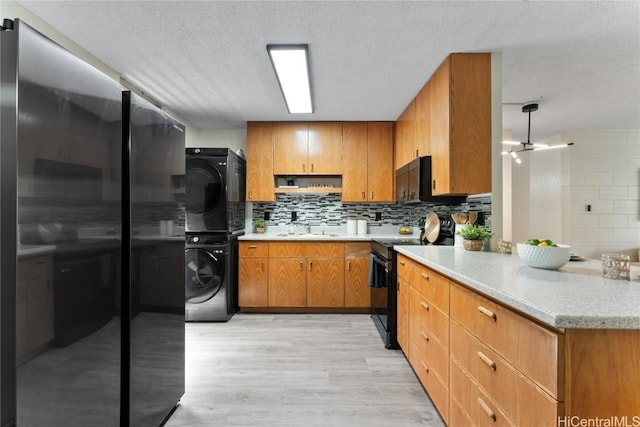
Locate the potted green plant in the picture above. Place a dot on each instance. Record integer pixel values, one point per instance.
(259, 225)
(474, 236)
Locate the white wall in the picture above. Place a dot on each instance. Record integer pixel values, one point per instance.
(603, 171)
(551, 190)
(235, 139)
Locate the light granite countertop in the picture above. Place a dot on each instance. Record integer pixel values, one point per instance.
(575, 296)
(330, 233)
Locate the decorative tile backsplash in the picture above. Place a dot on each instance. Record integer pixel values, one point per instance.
(321, 209)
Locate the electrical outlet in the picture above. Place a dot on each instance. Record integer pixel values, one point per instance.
(378, 216)
(267, 215)
(294, 216)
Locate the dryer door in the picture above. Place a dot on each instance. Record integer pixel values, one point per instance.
(205, 186)
(204, 275)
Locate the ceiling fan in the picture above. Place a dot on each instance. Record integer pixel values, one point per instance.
(528, 145)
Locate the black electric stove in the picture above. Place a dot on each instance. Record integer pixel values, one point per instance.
(383, 280)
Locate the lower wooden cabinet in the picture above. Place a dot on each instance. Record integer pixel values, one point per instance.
(34, 304)
(357, 293)
(253, 273)
(302, 274)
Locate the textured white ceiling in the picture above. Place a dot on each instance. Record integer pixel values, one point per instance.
(207, 60)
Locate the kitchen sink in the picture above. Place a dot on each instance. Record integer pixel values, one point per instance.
(307, 234)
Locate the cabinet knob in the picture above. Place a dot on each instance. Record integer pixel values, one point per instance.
(310, 265)
(487, 361)
(349, 266)
(486, 312)
(372, 195)
(250, 194)
(487, 410)
(311, 167)
(434, 184)
(424, 305)
(402, 263)
(425, 336)
(301, 265)
(304, 167)
(425, 276)
(363, 195)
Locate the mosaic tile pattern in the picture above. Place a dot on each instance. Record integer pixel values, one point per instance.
(316, 209)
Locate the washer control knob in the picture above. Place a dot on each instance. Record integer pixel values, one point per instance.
(195, 239)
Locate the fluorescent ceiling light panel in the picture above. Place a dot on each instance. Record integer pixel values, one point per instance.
(291, 65)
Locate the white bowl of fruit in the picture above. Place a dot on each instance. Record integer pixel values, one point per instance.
(544, 253)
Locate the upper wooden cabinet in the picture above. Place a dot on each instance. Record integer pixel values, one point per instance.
(307, 148)
(461, 125)
(405, 149)
(423, 121)
(367, 174)
(260, 181)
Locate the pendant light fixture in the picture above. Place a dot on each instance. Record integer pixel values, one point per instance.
(528, 108)
(291, 65)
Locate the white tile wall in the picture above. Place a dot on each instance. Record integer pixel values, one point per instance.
(601, 171)
(604, 172)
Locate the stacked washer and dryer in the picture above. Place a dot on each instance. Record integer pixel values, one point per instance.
(215, 211)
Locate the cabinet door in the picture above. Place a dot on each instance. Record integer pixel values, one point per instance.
(470, 124)
(260, 181)
(253, 282)
(355, 156)
(325, 148)
(423, 120)
(356, 289)
(403, 315)
(290, 148)
(380, 162)
(440, 128)
(325, 283)
(40, 311)
(406, 136)
(287, 282)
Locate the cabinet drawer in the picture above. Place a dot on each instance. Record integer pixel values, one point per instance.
(287, 250)
(405, 268)
(324, 250)
(433, 355)
(254, 249)
(434, 321)
(501, 381)
(534, 350)
(35, 267)
(438, 391)
(482, 410)
(357, 250)
(432, 285)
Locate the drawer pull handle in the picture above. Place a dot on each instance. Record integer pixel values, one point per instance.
(349, 266)
(424, 366)
(487, 410)
(402, 263)
(424, 305)
(490, 363)
(425, 276)
(490, 314)
(310, 265)
(253, 247)
(301, 266)
(425, 336)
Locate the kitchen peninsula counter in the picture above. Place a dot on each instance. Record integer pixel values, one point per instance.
(575, 296)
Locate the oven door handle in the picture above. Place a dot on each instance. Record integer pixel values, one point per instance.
(382, 263)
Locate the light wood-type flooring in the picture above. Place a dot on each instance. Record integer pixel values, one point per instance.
(264, 370)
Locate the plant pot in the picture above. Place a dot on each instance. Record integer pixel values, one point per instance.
(261, 230)
(473, 245)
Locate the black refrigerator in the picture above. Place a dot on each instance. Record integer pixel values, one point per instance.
(76, 347)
